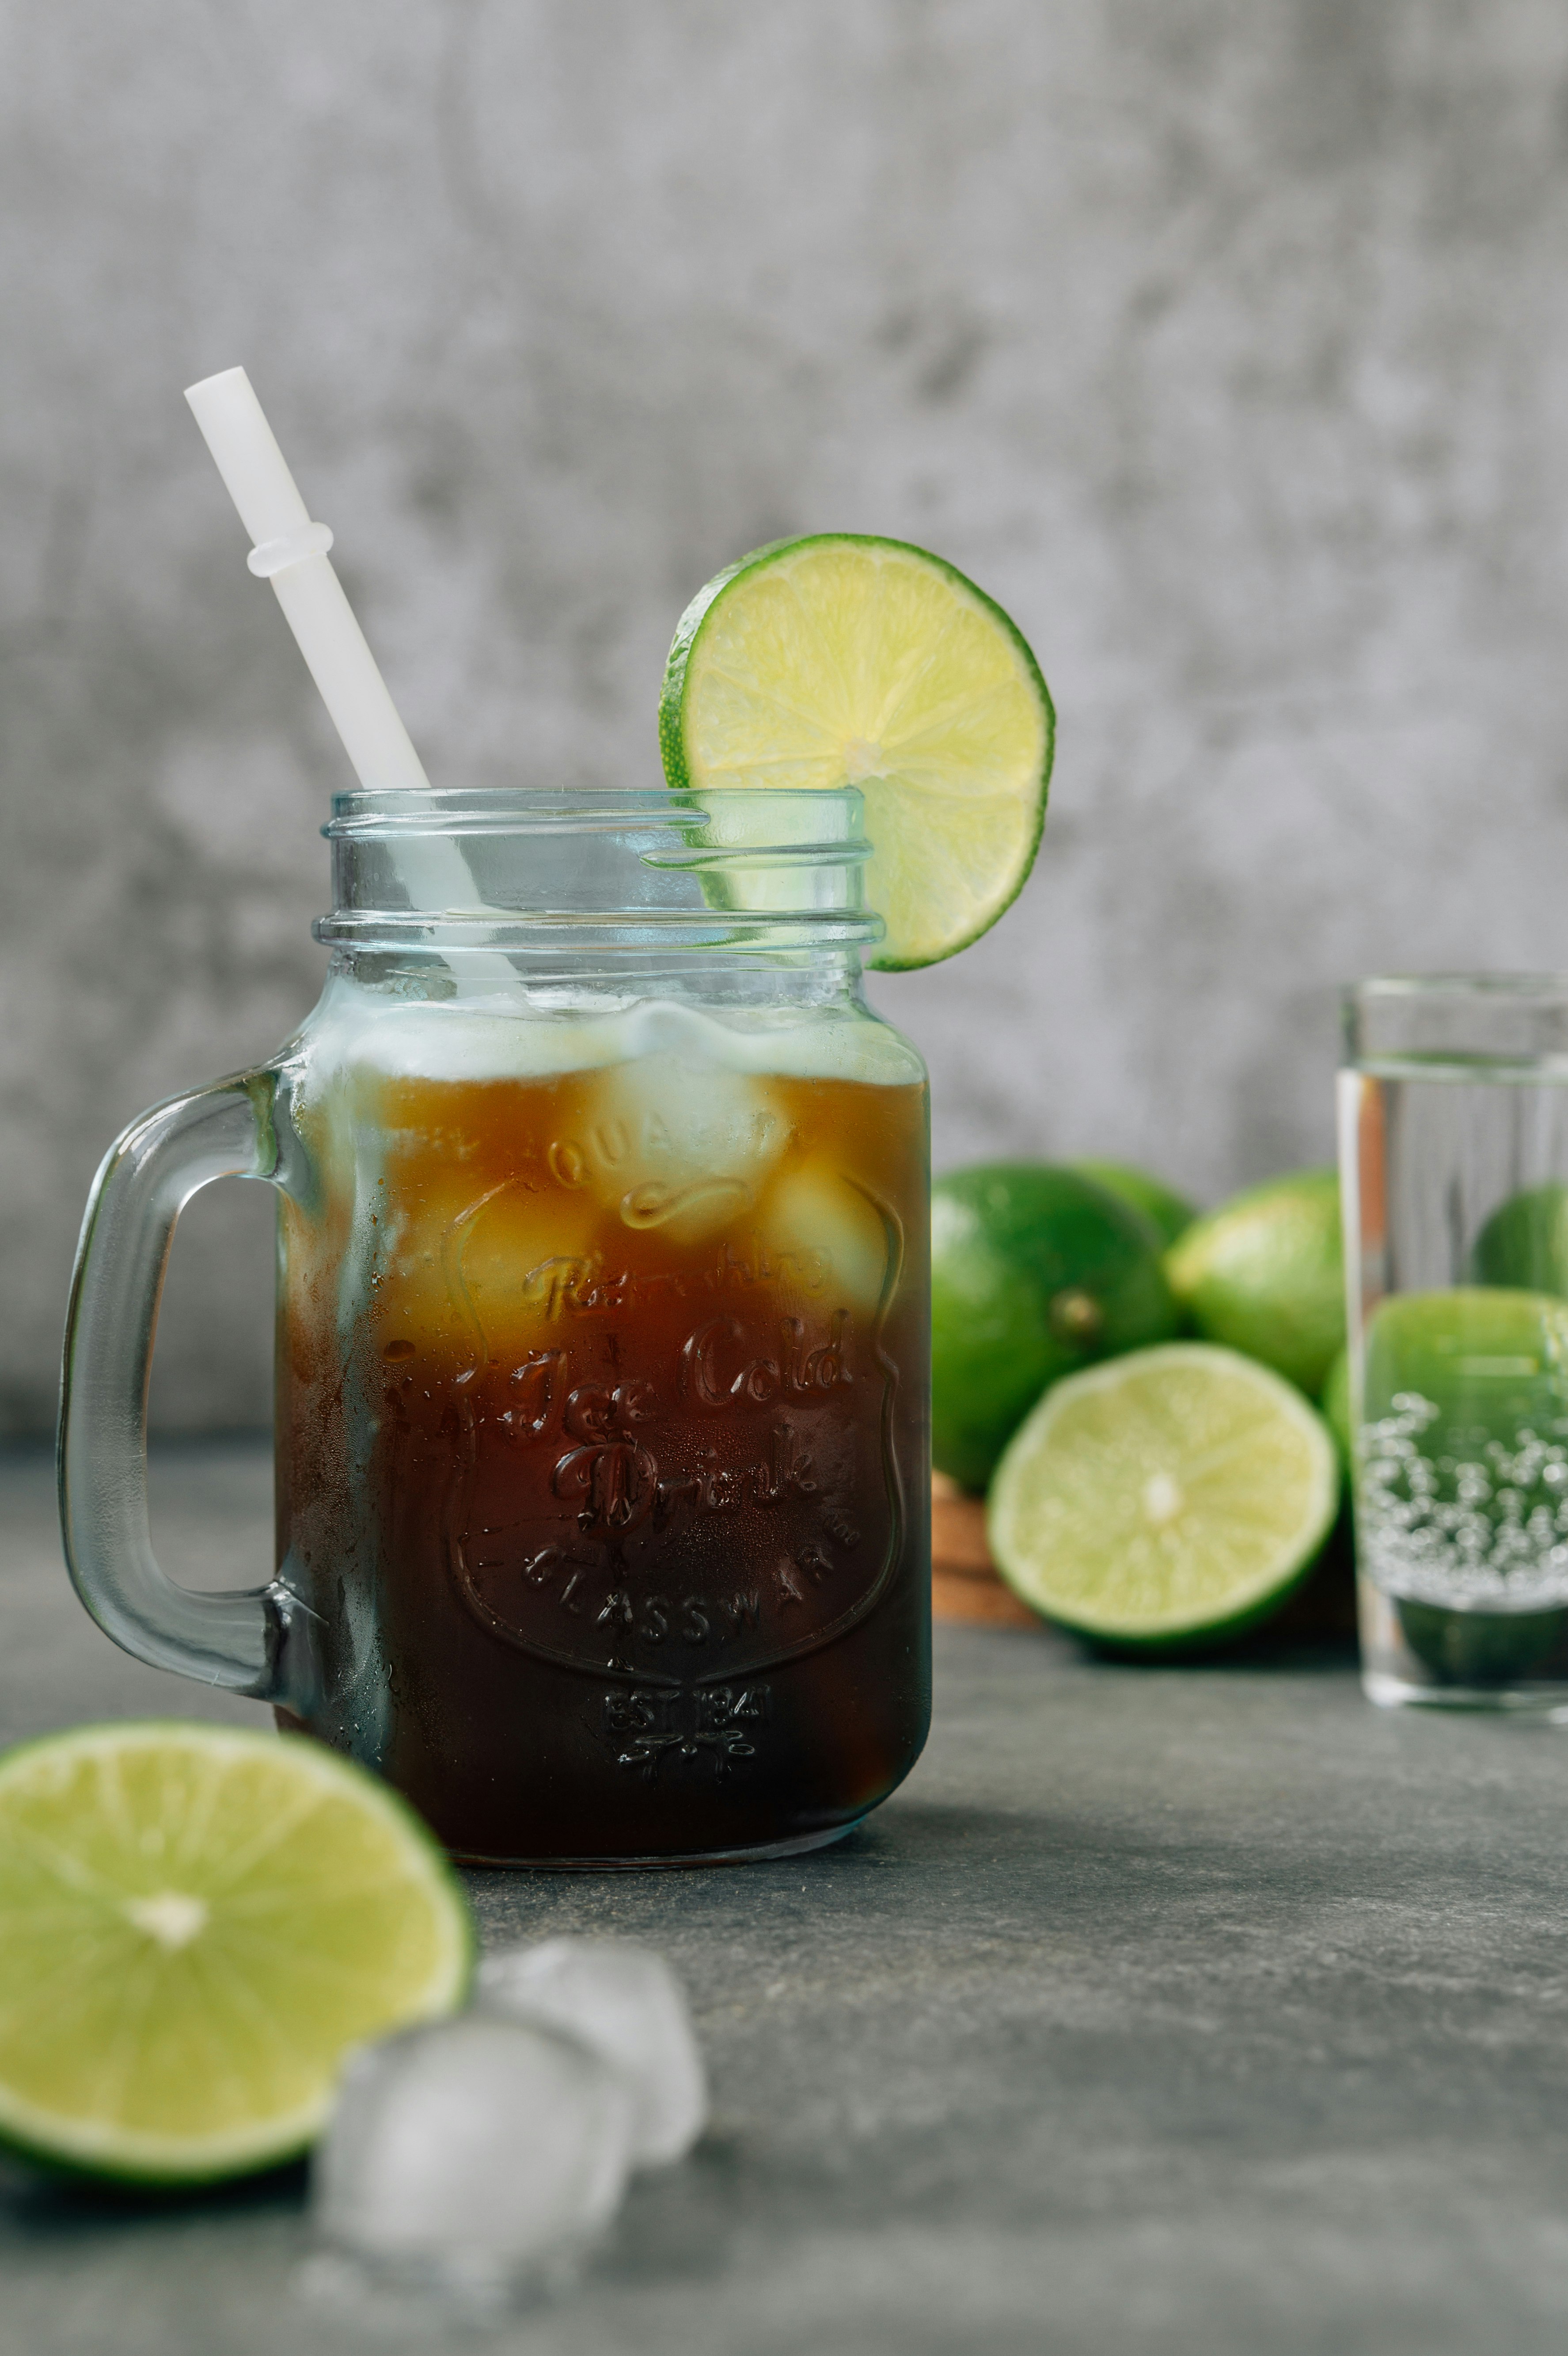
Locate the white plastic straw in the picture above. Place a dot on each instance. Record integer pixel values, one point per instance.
(291, 551)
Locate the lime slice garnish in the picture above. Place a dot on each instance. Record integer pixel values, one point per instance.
(1176, 1493)
(842, 659)
(195, 1923)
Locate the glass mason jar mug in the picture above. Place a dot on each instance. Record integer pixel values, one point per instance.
(602, 1373)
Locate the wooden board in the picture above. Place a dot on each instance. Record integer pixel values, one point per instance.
(964, 1585)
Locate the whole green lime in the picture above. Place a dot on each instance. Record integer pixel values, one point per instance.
(1525, 1244)
(1264, 1274)
(1170, 1214)
(1035, 1272)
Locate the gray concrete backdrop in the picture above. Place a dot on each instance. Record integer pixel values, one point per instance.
(1225, 341)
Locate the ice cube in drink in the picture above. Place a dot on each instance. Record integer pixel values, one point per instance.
(602, 1426)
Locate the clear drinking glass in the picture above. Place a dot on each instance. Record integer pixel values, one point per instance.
(1453, 1161)
(603, 1357)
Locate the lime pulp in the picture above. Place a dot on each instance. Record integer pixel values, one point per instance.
(1174, 1495)
(841, 659)
(197, 1924)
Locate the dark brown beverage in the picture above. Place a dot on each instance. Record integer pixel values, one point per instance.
(603, 1453)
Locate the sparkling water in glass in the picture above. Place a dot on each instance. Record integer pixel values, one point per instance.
(1454, 1162)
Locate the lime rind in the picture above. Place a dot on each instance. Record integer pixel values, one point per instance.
(1264, 1274)
(1169, 1213)
(1258, 1555)
(940, 877)
(163, 2014)
(1037, 1271)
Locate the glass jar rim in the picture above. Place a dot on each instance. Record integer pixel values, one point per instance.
(558, 870)
(1457, 1025)
(484, 809)
(1544, 988)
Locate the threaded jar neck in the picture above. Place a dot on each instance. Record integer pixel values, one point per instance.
(564, 875)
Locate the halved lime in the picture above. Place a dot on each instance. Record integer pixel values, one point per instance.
(195, 1923)
(842, 659)
(1172, 1497)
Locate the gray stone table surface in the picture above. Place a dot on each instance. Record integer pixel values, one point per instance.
(1201, 2010)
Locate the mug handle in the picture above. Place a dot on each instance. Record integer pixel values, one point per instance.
(149, 1174)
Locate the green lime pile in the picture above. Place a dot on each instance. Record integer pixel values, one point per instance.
(1178, 1493)
(198, 1923)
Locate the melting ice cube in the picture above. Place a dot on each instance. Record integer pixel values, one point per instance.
(677, 1136)
(626, 2004)
(480, 2155)
(827, 1237)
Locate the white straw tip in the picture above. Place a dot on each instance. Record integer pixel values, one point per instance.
(193, 393)
(235, 430)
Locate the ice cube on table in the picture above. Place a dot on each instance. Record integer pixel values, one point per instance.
(479, 2157)
(626, 2004)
